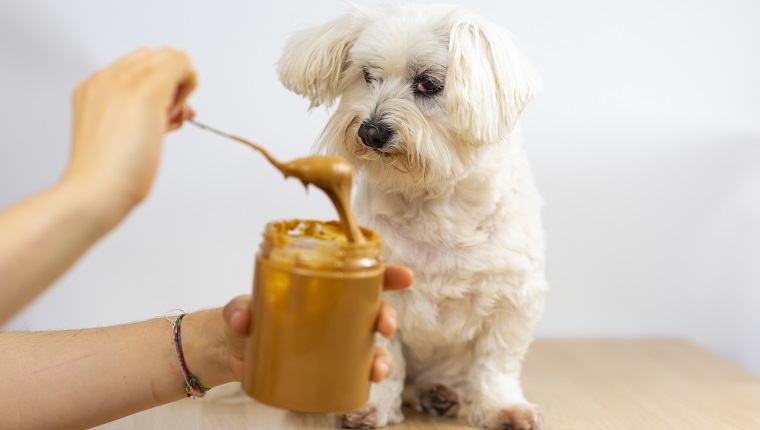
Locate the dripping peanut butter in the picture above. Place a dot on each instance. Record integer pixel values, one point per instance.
(316, 298)
(333, 175)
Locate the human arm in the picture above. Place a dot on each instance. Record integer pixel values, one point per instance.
(120, 116)
(82, 378)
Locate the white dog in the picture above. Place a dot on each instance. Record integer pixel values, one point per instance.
(429, 101)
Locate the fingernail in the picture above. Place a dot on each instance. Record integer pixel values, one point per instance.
(384, 369)
(394, 326)
(235, 315)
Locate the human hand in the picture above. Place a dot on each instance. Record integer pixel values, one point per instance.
(237, 317)
(120, 116)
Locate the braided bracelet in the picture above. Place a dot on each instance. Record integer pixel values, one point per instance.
(193, 387)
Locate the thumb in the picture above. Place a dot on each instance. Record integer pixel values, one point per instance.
(237, 315)
(177, 118)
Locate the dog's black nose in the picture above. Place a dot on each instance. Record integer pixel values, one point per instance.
(375, 135)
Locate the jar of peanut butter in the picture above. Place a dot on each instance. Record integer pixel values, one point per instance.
(316, 298)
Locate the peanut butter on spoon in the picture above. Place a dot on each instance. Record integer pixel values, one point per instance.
(333, 175)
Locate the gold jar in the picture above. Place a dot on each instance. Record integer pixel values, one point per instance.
(316, 299)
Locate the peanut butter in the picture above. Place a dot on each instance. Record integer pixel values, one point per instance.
(316, 298)
(333, 175)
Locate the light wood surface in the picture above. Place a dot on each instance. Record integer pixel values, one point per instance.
(583, 385)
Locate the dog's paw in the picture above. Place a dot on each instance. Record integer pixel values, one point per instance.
(365, 417)
(519, 416)
(438, 401)
(522, 416)
(370, 416)
(362, 418)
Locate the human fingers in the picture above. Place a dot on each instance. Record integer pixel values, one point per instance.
(176, 68)
(382, 364)
(397, 278)
(179, 118)
(171, 77)
(387, 320)
(165, 75)
(237, 315)
(115, 72)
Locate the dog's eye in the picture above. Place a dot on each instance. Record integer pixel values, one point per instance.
(367, 78)
(426, 86)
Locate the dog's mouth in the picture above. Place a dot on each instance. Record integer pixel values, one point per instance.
(383, 153)
(388, 154)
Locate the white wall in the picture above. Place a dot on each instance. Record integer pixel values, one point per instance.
(646, 145)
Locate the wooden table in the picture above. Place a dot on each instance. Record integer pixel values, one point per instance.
(583, 385)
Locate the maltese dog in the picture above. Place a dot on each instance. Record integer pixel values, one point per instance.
(429, 102)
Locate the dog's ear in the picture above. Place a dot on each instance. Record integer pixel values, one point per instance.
(489, 81)
(313, 60)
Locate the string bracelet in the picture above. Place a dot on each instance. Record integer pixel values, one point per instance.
(193, 387)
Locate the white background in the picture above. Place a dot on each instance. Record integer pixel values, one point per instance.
(645, 144)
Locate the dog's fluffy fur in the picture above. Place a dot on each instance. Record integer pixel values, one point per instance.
(451, 193)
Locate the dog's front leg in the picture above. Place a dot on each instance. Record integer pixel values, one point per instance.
(384, 407)
(494, 380)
